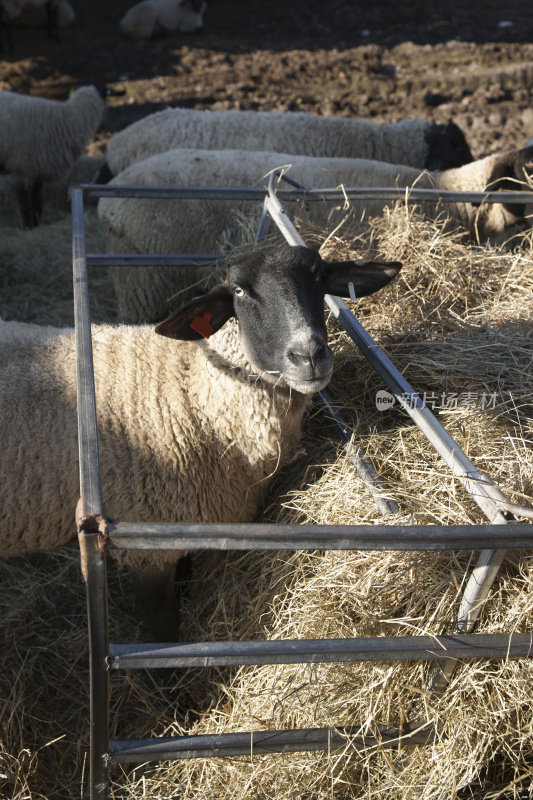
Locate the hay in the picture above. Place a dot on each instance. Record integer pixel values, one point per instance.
(36, 271)
(458, 320)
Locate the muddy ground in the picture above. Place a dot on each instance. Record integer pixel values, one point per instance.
(384, 60)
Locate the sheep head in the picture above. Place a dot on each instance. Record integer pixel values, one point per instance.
(510, 171)
(277, 294)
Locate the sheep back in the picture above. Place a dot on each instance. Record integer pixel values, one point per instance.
(176, 226)
(413, 142)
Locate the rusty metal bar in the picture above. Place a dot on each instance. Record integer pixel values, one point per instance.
(89, 512)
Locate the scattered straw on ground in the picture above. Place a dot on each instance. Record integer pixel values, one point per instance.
(458, 324)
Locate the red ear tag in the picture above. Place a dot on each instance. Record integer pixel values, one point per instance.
(202, 325)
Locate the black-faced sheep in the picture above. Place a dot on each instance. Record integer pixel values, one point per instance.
(189, 431)
(151, 18)
(174, 226)
(414, 142)
(40, 140)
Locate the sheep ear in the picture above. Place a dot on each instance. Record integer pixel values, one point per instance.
(200, 318)
(366, 276)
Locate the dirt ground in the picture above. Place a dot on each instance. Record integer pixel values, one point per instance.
(467, 62)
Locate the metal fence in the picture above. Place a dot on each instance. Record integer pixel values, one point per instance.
(501, 533)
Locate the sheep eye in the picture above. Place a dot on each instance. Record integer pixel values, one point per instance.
(238, 291)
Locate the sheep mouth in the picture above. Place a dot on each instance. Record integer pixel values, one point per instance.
(310, 385)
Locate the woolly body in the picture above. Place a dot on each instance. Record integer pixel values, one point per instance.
(187, 432)
(40, 139)
(167, 226)
(408, 142)
(151, 18)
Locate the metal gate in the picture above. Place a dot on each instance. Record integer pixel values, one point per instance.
(96, 534)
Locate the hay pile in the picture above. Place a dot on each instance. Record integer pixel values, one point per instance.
(458, 324)
(36, 271)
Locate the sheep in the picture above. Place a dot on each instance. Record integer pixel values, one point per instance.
(413, 141)
(40, 140)
(9, 9)
(189, 431)
(167, 226)
(151, 18)
(59, 14)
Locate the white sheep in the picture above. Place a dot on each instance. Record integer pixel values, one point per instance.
(151, 18)
(414, 142)
(40, 140)
(189, 431)
(176, 226)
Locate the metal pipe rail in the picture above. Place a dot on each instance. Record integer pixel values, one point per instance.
(320, 651)
(262, 536)
(253, 743)
(333, 194)
(95, 533)
(163, 260)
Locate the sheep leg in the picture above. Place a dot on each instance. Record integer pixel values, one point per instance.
(25, 198)
(156, 594)
(37, 201)
(7, 26)
(52, 20)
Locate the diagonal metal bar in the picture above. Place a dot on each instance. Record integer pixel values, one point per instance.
(479, 485)
(357, 456)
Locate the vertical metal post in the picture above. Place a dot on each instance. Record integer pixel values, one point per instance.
(91, 525)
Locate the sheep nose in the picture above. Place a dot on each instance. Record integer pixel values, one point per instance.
(301, 356)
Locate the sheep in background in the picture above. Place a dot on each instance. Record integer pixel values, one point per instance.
(54, 15)
(41, 139)
(189, 431)
(412, 141)
(151, 18)
(9, 10)
(59, 13)
(176, 226)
